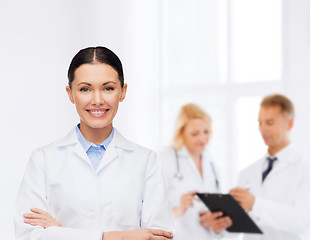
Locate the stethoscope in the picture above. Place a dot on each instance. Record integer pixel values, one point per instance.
(179, 176)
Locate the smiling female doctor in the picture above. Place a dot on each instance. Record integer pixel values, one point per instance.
(93, 184)
(189, 169)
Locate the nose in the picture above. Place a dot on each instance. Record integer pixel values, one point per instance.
(262, 128)
(203, 138)
(97, 98)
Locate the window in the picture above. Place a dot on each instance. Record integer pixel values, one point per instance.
(225, 56)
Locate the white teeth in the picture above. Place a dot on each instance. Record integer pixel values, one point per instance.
(97, 112)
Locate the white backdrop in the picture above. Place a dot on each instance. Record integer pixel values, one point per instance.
(38, 40)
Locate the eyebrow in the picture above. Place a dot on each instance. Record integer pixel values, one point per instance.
(88, 84)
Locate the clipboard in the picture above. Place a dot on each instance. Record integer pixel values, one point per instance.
(230, 207)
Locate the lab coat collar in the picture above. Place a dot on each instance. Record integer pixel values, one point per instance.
(183, 153)
(117, 141)
(110, 155)
(286, 155)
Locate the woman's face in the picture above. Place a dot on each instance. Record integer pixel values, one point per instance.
(196, 135)
(96, 92)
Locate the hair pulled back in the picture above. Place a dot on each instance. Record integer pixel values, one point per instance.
(93, 55)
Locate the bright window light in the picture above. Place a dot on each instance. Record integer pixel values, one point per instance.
(256, 40)
(250, 144)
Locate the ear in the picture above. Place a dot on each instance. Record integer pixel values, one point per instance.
(70, 95)
(290, 124)
(123, 94)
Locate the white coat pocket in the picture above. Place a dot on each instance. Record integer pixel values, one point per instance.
(127, 201)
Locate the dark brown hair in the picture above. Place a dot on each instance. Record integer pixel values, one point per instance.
(95, 55)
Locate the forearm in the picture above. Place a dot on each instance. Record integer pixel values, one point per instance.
(59, 233)
(24, 231)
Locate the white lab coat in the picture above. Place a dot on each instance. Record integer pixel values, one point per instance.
(188, 225)
(282, 204)
(126, 192)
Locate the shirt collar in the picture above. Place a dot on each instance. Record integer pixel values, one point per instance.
(86, 144)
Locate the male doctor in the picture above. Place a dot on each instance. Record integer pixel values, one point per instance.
(275, 190)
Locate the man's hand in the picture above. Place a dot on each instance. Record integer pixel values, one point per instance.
(186, 202)
(140, 234)
(41, 218)
(215, 220)
(243, 197)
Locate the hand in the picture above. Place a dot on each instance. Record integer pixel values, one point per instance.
(140, 234)
(243, 197)
(40, 218)
(186, 202)
(215, 220)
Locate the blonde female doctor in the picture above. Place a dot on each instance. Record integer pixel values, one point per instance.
(189, 169)
(93, 184)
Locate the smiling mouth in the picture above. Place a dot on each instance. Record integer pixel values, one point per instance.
(97, 113)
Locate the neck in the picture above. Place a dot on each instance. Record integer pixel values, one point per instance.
(95, 135)
(275, 149)
(195, 156)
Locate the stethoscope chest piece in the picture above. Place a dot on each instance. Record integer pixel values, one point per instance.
(178, 176)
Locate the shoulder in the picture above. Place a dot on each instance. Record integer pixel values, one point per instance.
(167, 155)
(295, 155)
(39, 156)
(252, 167)
(120, 142)
(298, 158)
(69, 139)
(133, 152)
(166, 152)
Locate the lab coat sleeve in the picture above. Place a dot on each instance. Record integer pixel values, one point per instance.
(169, 169)
(155, 210)
(294, 218)
(32, 194)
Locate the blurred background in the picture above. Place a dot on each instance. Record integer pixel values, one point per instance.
(223, 55)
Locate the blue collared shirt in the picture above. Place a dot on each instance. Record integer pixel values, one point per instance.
(95, 152)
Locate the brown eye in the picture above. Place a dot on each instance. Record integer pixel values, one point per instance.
(194, 134)
(270, 123)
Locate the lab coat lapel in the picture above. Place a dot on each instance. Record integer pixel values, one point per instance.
(118, 144)
(77, 149)
(278, 168)
(286, 159)
(80, 152)
(194, 169)
(110, 155)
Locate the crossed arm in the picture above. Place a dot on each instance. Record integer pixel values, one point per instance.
(38, 217)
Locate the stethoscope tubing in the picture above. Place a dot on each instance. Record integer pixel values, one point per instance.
(178, 175)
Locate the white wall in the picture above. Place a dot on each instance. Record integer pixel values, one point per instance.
(38, 40)
(297, 66)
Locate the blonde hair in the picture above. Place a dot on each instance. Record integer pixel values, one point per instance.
(187, 112)
(283, 102)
